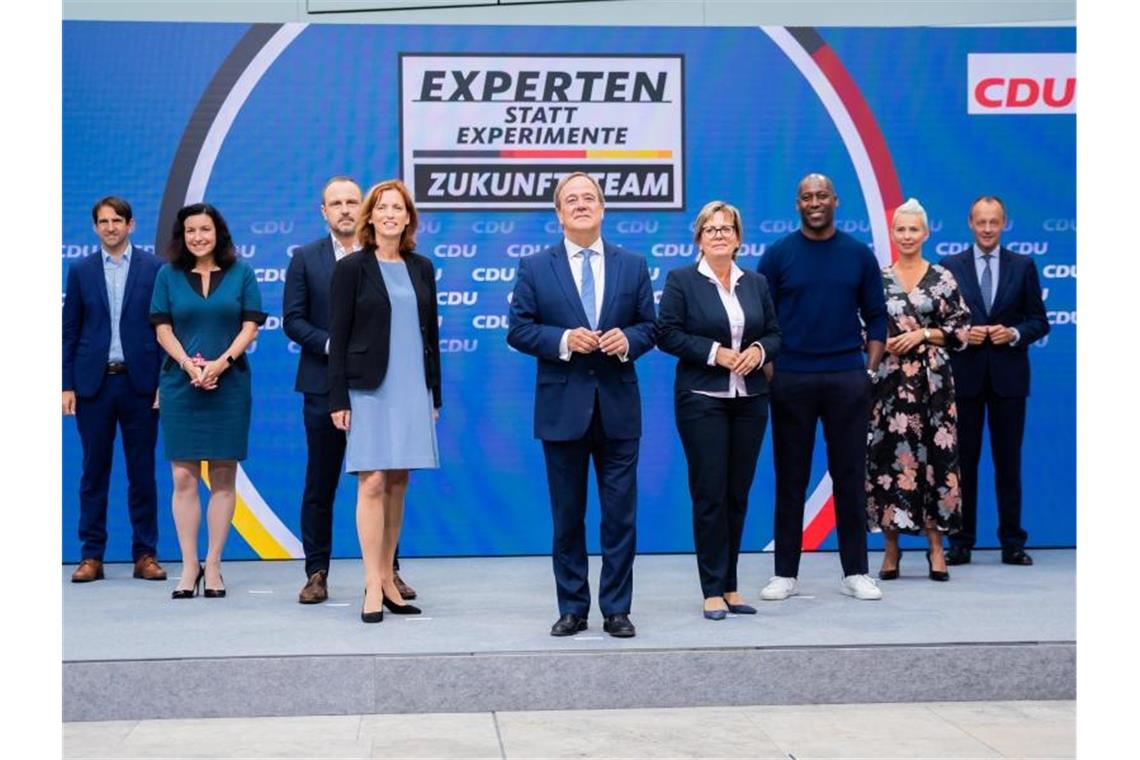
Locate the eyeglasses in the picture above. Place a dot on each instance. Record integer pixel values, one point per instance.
(715, 232)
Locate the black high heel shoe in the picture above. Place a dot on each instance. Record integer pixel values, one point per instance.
(890, 575)
(401, 609)
(936, 575)
(370, 617)
(214, 593)
(189, 593)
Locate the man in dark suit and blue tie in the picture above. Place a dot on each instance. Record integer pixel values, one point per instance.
(584, 309)
(110, 380)
(991, 374)
(308, 286)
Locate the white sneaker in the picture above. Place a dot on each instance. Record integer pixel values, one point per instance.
(861, 587)
(779, 588)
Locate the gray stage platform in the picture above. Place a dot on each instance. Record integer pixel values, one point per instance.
(992, 633)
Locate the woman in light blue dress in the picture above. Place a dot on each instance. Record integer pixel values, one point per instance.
(384, 379)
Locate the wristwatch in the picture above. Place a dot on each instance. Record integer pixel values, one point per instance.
(926, 334)
(229, 360)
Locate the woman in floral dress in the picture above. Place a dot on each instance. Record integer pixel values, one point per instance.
(912, 459)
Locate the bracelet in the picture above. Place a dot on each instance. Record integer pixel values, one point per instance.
(182, 364)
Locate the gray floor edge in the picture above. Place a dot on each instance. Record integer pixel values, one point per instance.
(486, 682)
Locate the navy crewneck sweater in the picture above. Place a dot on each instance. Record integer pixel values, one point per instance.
(821, 288)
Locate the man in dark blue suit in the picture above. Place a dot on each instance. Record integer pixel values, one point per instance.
(991, 374)
(110, 380)
(584, 308)
(308, 285)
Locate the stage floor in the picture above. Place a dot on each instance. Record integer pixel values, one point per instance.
(993, 632)
(488, 605)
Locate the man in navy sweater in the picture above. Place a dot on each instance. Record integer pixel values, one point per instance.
(823, 281)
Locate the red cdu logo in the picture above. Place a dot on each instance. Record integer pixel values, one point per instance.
(1022, 83)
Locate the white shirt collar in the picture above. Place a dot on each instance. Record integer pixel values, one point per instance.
(339, 250)
(573, 249)
(733, 277)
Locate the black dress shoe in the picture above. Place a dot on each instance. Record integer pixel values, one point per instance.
(214, 593)
(619, 626)
(1016, 557)
(568, 625)
(957, 555)
(936, 575)
(891, 575)
(189, 593)
(370, 617)
(400, 609)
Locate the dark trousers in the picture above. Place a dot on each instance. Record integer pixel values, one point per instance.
(567, 473)
(722, 439)
(1007, 427)
(322, 474)
(117, 405)
(842, 402)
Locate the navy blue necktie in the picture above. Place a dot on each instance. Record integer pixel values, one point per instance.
(589, 302)
(987, 282)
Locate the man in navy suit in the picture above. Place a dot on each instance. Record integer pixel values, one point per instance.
(991, 374)
(110, 380)
(308, 284)
(584, 309)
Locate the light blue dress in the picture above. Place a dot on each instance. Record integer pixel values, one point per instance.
(391, 427)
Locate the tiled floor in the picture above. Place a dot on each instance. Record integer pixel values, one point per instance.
(930, 730)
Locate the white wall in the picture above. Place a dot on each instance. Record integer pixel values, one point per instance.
(589, 12)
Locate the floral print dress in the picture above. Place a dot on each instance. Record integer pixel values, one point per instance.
(912, 456)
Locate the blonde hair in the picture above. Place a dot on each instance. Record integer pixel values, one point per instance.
(706, 213)
(912, 206)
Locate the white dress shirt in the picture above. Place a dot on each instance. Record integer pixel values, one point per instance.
(339, 252)
(598, 267)
(736, 385)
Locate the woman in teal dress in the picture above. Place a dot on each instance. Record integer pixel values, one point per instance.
(206, 309)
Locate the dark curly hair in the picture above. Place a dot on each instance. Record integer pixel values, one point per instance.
(179, 255)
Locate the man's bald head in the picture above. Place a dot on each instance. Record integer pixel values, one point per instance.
(816, 201)
(816, 177)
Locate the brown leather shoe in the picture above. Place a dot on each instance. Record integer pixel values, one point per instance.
(88, 570)
(316, 590)
(405, 590)
(147, 568)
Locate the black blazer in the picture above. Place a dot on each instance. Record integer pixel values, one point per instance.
(1017, 304)
(359, 333)
(306, 304)
(691, 316)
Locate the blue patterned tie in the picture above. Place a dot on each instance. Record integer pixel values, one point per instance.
(987, 282)
(589, 302)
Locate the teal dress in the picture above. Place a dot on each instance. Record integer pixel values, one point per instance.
(198, 424)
